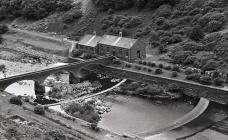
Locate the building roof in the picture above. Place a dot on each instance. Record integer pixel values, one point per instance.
(117, 41)
(90, 40)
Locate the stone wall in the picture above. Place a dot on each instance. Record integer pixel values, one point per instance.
(190, 89)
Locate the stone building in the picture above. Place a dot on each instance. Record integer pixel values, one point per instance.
(88, 43)
(124, 48)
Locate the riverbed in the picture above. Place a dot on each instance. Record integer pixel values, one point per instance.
(133, 115)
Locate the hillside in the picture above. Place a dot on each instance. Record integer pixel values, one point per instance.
(188, 32)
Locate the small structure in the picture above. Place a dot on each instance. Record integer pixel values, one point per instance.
(124, 48)
(88, 43)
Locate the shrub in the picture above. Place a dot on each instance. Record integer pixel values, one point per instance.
(128, 65)
(168, 67)
(144, 63)
(3, 28)
(39, 110)
(72, 15)
(2, 67)
(164, 11)
(176, 68)
(174, 74)
(212, 16)
(15, 100)
(214, 26)
(149, 70)
(206, 80)
(218, 81)
(152, 64)
(158, 71)
(161, 66)
(159, 21)
(195, 11)
(196, 33)
(194, 77)
(188, 71)
(76, 53)
(210, 65)
(156, 3)
(140, 62)
(116, 62)
(144, 68)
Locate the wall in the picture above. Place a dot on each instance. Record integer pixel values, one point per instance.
(190, 89)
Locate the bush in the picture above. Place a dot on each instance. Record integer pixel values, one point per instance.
(76, 53)
(216, 16)
(128, 65)
(214, 26)
(176, 68)
(144, 63)
(206, 80)
(164, 11)
(161, 66)
(140, 62)
(158, 71)
(168, 67)
(194, 77)
(2, 67)
(157, 3)
(152, 64)
(16, 100)
(218, 81)
(39, 110)
(149, 70)
(174, 74)
(116, 62)
(196, 33)
(71, 16)
(3, 28)
(210, 65)
(188, 71)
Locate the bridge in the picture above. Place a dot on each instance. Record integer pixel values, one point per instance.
(39, 76)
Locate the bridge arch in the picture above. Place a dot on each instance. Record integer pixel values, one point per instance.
(22, 87)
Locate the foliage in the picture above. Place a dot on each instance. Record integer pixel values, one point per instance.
(216, 16)
(2, 67)
(218, 81)
(160, 66)
(32, 9)
(164, 11)
(209, 66)
(114, 4)
(76, 53)
(158, 71)
(194, 77)
(39, 110)
(16, 100)
(56, 134)
(205, 80)
(156, 3)
(84, 111)
(174, 74)
(214, 26)
(176, 68)
(196, 33)
(3, 28)
(71, 15)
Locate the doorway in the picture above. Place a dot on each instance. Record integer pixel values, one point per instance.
(138, 54)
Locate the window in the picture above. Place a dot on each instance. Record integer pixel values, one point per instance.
(120, 51)
(127, 53)
(108, 50)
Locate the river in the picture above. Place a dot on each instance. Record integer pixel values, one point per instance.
(134, 115)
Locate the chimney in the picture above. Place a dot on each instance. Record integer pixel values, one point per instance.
(120, 34)
(94, 33)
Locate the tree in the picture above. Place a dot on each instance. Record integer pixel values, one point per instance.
(15, 100)
(39, 110)
(196, 33)
(210, 65)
